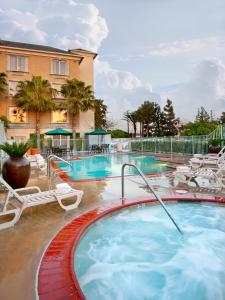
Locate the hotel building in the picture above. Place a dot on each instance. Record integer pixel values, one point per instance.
(20, 61)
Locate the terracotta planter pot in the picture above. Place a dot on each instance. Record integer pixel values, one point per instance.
(29, 151)
(16, 172)
(34, 151)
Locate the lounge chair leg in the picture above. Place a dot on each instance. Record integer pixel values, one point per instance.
(71, 206)
(17, 213)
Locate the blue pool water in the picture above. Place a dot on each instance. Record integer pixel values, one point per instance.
(110, 165)
(137, 254)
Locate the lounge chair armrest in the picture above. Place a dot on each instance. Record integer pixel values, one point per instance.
(29, 188)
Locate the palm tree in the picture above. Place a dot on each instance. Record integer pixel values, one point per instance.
(131, 117)
(35, 95)
(79, 98)
(3, 84)
(126, 117)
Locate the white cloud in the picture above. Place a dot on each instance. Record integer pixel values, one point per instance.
(205, 88)
(121, 90)
(208, 44)
(68, 24)
(114, 78)
(17, 25)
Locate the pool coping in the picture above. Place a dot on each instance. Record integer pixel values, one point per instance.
(66, 177)
(56, 277)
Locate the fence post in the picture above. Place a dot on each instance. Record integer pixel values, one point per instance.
(193, 146)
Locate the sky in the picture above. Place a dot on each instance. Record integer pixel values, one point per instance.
(147, 49)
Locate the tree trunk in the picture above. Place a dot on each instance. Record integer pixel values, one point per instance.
(74, 133)
(128, 127)
(135, 129)
(38, 130)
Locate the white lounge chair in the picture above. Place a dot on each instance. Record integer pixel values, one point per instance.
(63, 191)
(210, 155)
(185, 174)
(207, 162)
(37, 161)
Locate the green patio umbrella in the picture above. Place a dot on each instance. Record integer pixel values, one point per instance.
(59, 131)
(98, 132)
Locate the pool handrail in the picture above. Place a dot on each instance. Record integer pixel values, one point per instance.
(151, 189)
(49, 159)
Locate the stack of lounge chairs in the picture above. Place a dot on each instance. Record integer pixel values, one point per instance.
(37, 161)
(210, 167)
(211, 160)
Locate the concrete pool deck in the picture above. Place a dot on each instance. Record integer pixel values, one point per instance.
(22, 246)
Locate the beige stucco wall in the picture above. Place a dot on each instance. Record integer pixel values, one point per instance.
(40, 64)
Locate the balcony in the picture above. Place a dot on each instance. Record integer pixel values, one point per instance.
(42, 125)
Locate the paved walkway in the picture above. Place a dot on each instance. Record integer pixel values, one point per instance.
(22, 246)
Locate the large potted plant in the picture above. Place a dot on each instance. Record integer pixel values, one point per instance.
(16, 169)
(214, 146)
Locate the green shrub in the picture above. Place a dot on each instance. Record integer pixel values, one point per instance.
(118, 133)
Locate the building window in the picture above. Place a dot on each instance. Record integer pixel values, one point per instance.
(12, 85)
(17, 63)
(57, 87)
(59, 116)
(59, 67)
(17, 115)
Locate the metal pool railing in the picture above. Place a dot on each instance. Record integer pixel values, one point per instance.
(151, 189)
(49, 169)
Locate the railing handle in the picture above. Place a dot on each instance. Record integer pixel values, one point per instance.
(49, 158)
(151, 189)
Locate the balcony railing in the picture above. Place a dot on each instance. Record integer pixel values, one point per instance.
(42, 126)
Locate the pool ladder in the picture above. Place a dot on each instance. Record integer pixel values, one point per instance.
(49, 168)
(151, 189)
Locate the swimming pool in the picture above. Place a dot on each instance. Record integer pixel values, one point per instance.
(102, 166)
(136, 253)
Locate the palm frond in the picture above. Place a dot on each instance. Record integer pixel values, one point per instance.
(15, 150)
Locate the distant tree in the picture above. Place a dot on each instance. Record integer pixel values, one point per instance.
(3, 84)
(202, 115)
(198, 128)
(126, 117)
(100, 114)
(169, 120)
(146, 115)
(110, 124)
(158, 121)
(131, 117)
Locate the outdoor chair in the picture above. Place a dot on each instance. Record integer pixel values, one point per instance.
(28, 199)
(211, 155)
(209, 161)
(185, 174)
(105, 147)
(37, 161)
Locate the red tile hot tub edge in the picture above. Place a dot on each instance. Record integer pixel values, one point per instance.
(56, 276)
